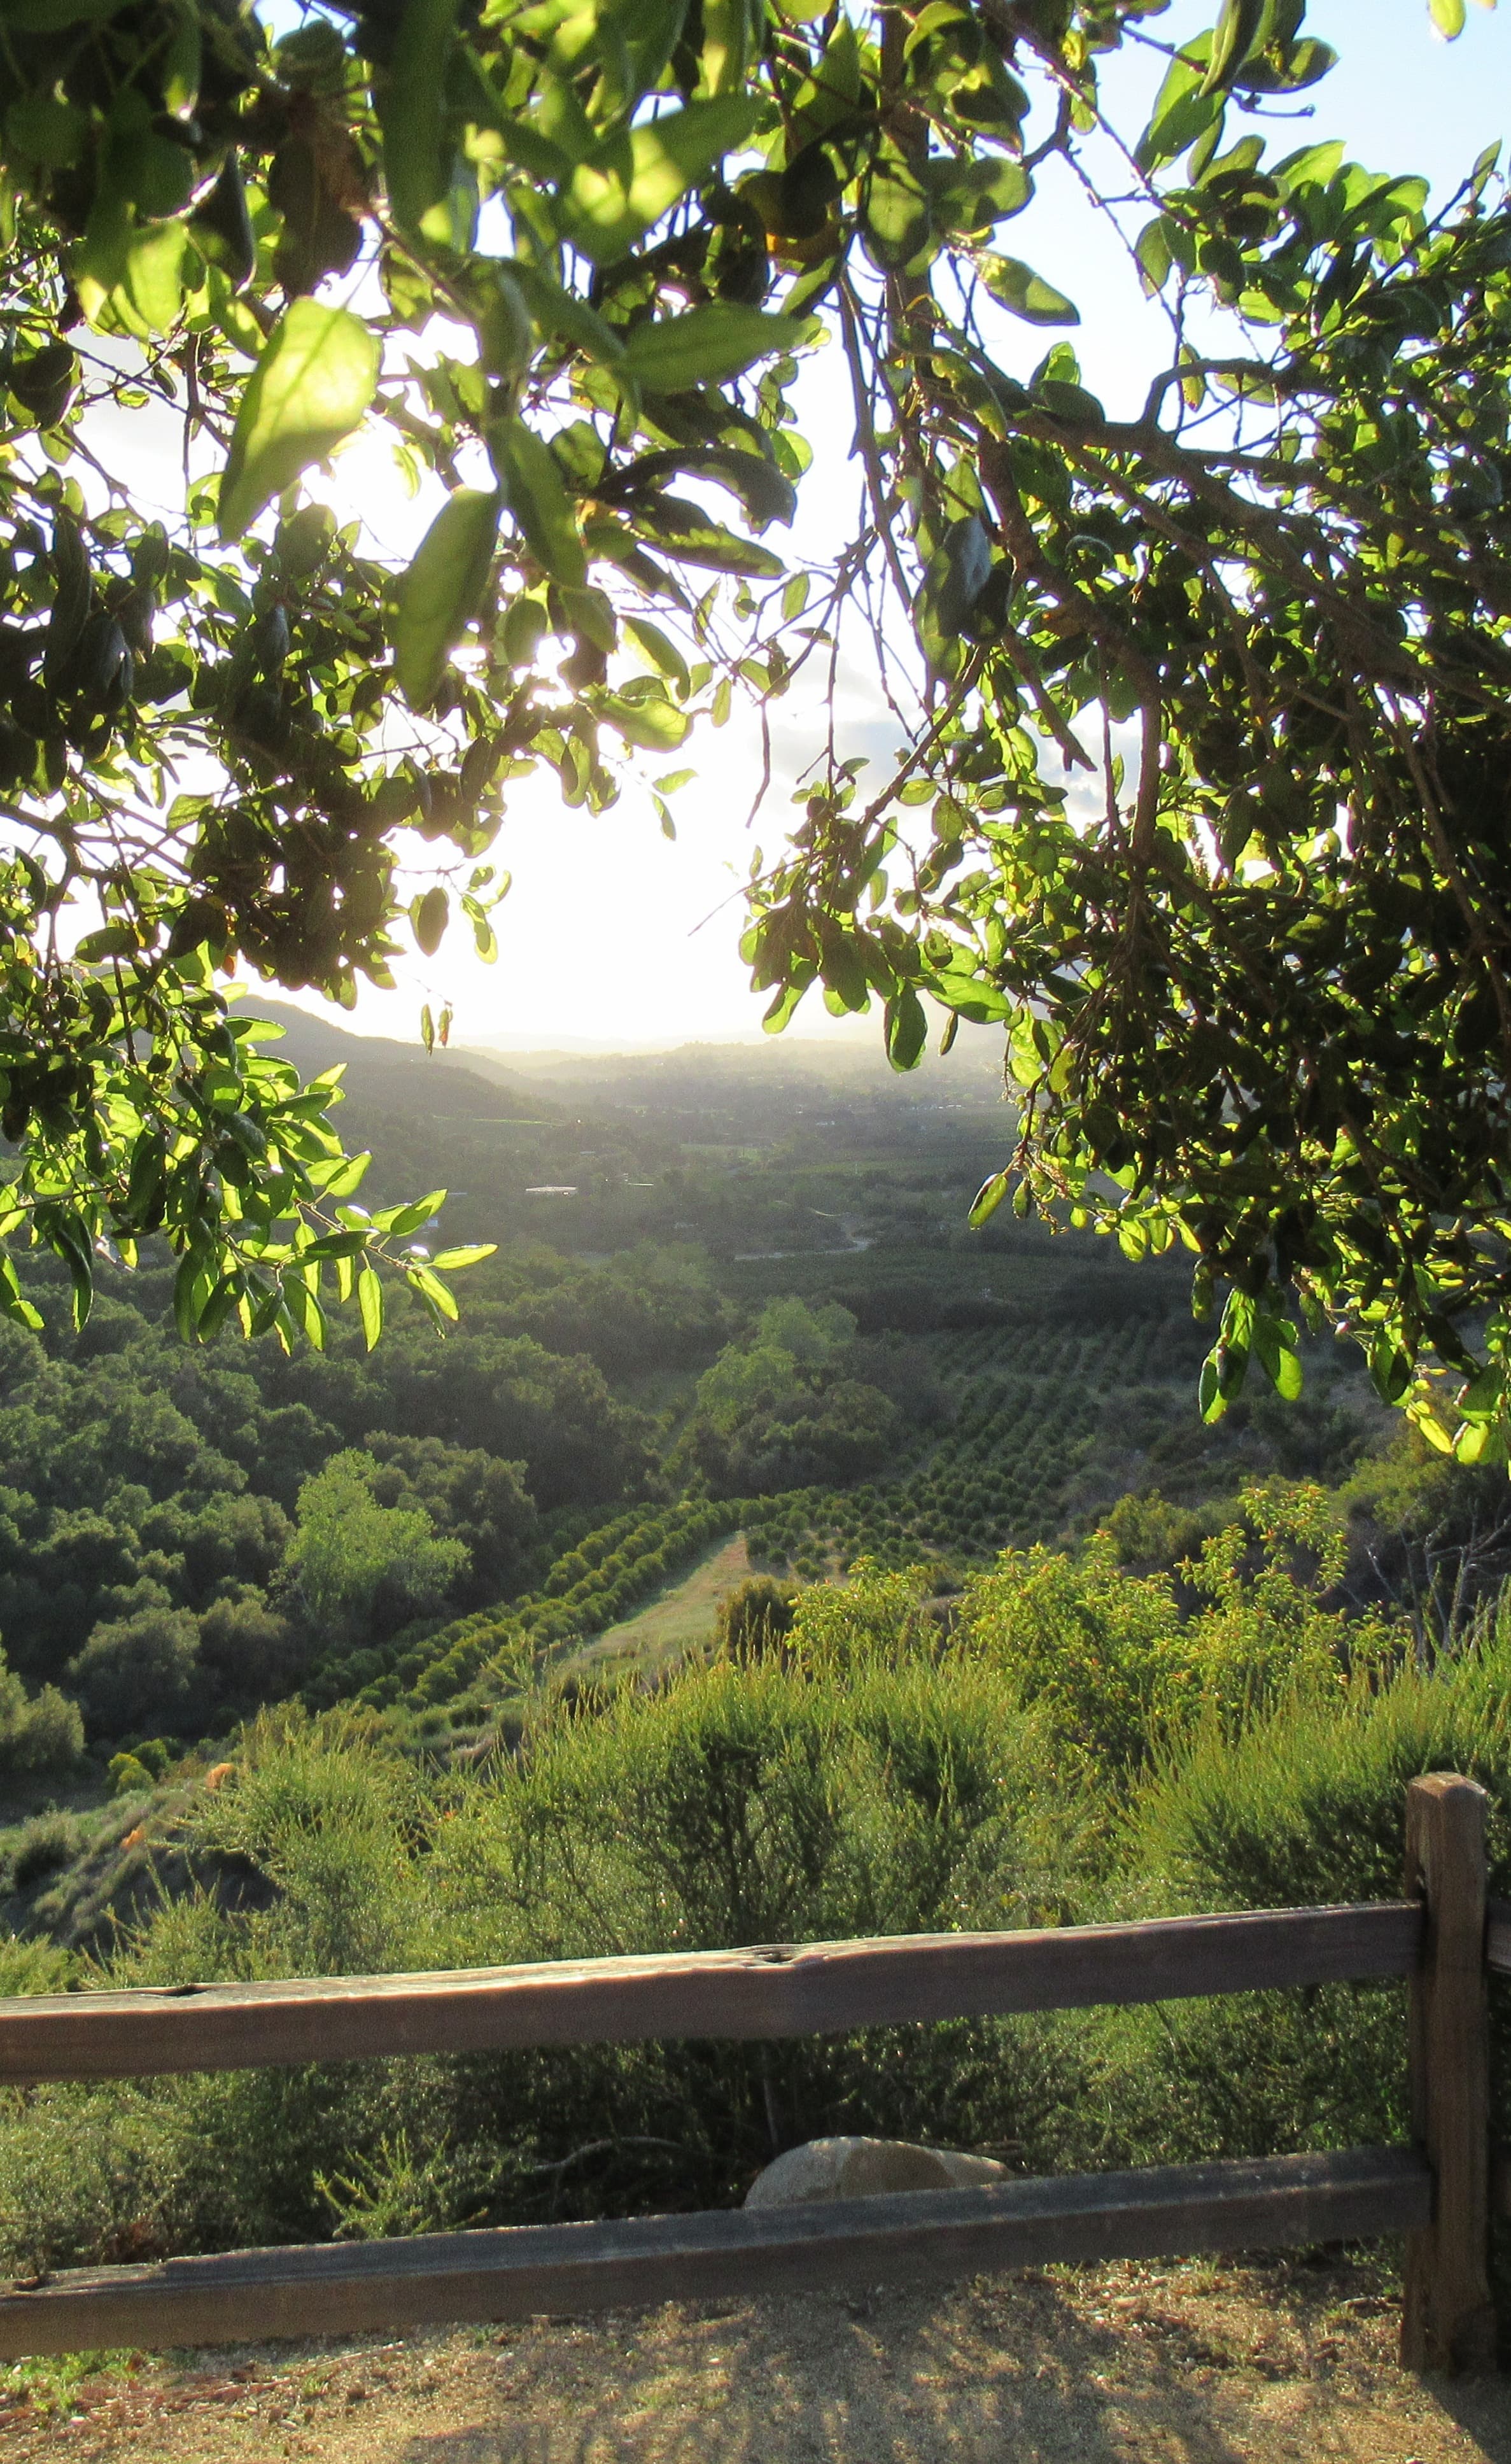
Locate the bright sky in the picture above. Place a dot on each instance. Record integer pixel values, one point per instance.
(612, 936)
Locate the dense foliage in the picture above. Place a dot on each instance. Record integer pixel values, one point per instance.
(1074, 1745)
(183, 1538)
(566, 265)
(803, 1403)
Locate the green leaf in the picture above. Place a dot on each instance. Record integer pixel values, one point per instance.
(417, 162)
(647, 720)
(662, 652)
(334, 1244)
(398, 1221)
(782, 1009)
(1210, 1400)
(1422, 1417)
(428, 917)
(971, 195)
(1274, 1344)
(12, 1305)
(530, 478)
(433, 1291)
(726, 33)
(559, 311)
(449, 1261)
(706, 346)
(442, 589)
(302, 1303)
(628, 182)
(1240, 28)
(1152, 250)
(906, 1029)
(192, 1288)
(344, 1178)
(765, 494)
(1448, 16)
(73, 1243)
(1389, 1369)
(369, 1302)
(111, 941)
(899, 224)
(1182, 111)
(1026, 293)
(693, 537)
(988, 1198)
(130, 273)
(312, 385)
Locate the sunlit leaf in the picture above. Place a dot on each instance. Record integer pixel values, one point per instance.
(1026, 293)
(706, 345)
(312, 387)
(442, 589)
(416, 162)
(906, 1029)
(988, 1198)
(530, 478)
(369, 1303)
(638, 176)
(428, 915)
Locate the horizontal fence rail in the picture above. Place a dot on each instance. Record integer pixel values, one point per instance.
(524, 2271)
(1443, 1936)
(781, 1989)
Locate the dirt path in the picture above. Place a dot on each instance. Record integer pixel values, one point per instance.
(674, 1620)
(1175, 2365)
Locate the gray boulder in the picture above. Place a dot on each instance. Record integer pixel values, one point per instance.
(866, 2168)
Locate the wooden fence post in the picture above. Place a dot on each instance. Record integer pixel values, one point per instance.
(1449, 2321)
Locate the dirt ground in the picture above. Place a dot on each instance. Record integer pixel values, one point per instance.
(1190, 2364)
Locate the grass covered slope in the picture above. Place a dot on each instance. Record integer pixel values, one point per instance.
(1069, 1743)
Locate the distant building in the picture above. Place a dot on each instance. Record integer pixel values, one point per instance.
(551, 1188)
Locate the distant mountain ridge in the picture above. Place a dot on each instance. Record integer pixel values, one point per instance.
(382, 1071)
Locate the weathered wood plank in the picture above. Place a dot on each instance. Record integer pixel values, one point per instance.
(1498, 1937)
(346, 2288)
(782, 1989)
(1447, 2320)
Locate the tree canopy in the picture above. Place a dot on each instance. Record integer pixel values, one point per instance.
(569, 258)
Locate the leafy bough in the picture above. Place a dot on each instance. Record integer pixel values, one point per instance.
(1202, 795)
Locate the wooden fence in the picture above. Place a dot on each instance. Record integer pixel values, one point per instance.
(1442, 1935)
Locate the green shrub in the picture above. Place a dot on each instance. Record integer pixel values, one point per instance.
(46, 1843)
(755, 1618)
(38, 1732)
(31, 1967)
(136, 1668)
(1123, 1670)
(128, 1774)
(1306, 1804)
(158, 1754)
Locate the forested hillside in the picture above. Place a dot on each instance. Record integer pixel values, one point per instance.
(755, 1308)
(334, 1660)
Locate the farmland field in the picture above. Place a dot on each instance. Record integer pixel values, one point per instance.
(677, 1620)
